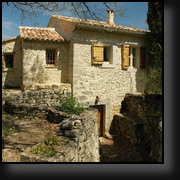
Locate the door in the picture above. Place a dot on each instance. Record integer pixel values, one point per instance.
(100, 118)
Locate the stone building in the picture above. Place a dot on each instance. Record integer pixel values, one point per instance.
(101, 61)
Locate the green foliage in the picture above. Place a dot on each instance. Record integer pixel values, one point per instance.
(71, 105)
(43, 150)
(8, 128)
(51, 140)
(155, 48)
(46, 148)
(153, 84)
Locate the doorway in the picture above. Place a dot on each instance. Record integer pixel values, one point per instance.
(100, 118)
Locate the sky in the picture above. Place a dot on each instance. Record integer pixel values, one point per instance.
(135, 16)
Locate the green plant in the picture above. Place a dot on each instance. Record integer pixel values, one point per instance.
(70, 105)
(153, 82)
(8, 128)
(51, 140)
(43, 150)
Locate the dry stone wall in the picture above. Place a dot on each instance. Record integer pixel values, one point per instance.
(41, 97)
(77, 135)
(139, 127)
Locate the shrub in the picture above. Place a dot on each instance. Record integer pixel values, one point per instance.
(52, 140)
(43, 150)
(153, 84)
(70, 105)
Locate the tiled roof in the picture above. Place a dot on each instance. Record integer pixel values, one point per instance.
(36, 33)
(86, 23)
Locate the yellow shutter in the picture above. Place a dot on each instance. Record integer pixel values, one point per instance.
(97, 54)
(125, 56)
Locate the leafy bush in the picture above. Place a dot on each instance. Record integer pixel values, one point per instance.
(43, 150)
(154, 81)
(52, 140)
(70, 105)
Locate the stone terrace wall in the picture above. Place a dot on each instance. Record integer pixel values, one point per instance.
(78, 138)
(45, 97)
(77, 135)
(139, 127)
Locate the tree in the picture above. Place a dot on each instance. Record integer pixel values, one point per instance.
(155, 48)
(81, 9)
(154, 20)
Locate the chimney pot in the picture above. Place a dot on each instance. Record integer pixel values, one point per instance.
(110, 16)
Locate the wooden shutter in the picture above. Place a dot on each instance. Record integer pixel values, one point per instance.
(97, 54)
(142, 57)
(125, 56)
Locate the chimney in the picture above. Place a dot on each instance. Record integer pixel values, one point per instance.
(110, 16)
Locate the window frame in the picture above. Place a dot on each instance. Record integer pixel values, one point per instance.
(54, 64)
(136, 60)
(105, 48)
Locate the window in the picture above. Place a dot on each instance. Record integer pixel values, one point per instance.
(138, 56)
(134, 53)
(101, 54)
(8, 60)
(50, 56)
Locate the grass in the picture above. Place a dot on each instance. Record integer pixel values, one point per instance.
(46, 148)
(43, 150)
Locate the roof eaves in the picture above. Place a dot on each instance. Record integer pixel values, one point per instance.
(110, 29)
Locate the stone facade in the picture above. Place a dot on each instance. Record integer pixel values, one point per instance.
(35, 70)
(29, 64)
(109, 83)
(12, 77)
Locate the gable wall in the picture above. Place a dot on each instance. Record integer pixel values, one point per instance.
(62, 27)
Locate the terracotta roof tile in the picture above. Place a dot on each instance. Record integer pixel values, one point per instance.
(36, 33)
(99, 24)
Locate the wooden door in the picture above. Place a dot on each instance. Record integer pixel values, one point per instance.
(100, 118)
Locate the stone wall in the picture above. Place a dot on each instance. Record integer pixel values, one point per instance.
(139, 127)
(12, 77)
(41, 97)
(35, 70)
(109, 83)
(77, 135)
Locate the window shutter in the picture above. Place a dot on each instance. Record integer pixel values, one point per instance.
(97, 54)
(142, 57)
(125, 56)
